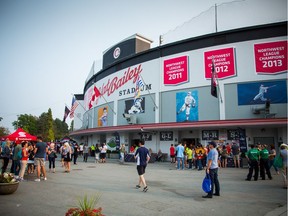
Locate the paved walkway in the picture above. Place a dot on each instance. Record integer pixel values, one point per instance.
(171, 192)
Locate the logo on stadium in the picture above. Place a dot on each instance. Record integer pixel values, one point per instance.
(116, 53)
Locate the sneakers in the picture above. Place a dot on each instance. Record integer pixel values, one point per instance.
(45, 179)
(37, 180)
(145, 189)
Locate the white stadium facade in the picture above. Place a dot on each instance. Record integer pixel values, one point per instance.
(174, 101)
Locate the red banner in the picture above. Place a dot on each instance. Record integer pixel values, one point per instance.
(271, 58)
(176, 70)
(223, 63)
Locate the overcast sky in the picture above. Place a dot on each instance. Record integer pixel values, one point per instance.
(48, 47)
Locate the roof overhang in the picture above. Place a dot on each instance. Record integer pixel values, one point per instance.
(214, 124)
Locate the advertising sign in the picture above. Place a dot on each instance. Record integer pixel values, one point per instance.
(176, 71)
(223, 63)
(271, 58)
(166, 136)
(210, 135)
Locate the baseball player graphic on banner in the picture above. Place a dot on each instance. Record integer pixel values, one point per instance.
(186, 106)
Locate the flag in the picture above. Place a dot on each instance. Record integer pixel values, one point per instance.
(139, 85)
(213, 82)
(66, 113)
(73, 107)
(95, 95)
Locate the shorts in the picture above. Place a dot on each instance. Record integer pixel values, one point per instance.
(141, 170)
(172, 156)
(236, 157)
(39, 161)
(102, 155)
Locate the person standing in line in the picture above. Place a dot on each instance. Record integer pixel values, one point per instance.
(212, 170)
(122, 153)
(264, 163)
(142, 157)
(85, 152)
(67, 157)
(51, 157)
(6, 154)
(235, 152)
(76, 153)
(39, 159)
(172, 153)
(283, 155)
(17, 155)
(97, 153)
(272, 155)
(180, 156)
(103, 153)
(253, 157)
(81, 147)
(24, 160)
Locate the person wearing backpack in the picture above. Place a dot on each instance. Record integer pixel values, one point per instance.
(17, 156)
(6, 153)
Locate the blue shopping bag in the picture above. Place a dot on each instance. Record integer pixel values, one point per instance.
(207, 183)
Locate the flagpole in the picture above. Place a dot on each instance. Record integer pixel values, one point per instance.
(149, 92)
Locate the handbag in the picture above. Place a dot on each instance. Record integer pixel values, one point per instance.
(278, 162)
(55, 155)
(207, 183)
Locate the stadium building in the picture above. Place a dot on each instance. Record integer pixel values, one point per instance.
(228, 84)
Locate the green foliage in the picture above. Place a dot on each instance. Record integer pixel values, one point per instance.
(43, 125)
(4, 131)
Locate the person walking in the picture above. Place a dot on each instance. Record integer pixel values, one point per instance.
(253, 157)
(142, 157)
(39, 159)
(180, 156)
(212, 170)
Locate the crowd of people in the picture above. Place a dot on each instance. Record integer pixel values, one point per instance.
(196, 155)
(31, 156)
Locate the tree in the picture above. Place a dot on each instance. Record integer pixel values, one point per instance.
(50, 135)
(4, 131)
(27, 123)
(72, 126)
(60, 129)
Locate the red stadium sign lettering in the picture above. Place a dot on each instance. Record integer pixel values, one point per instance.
(175, 71)
(223, 63)
(271, 58)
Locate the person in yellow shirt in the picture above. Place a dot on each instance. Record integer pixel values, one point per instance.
(189, 153)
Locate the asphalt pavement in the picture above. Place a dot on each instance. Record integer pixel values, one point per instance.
(171, 192)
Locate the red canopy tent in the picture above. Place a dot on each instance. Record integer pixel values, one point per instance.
(21, 135)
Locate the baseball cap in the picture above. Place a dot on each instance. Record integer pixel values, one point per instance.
(212, 143)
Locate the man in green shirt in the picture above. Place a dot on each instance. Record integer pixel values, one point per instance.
(253, 157)
(264, 163)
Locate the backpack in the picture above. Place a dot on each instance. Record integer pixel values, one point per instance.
(19, 155)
